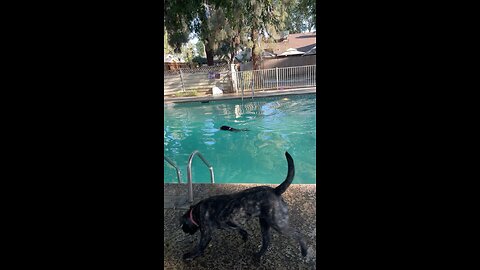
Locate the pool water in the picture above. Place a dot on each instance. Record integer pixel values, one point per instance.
(275, 124)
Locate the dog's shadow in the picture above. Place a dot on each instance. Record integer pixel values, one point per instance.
(227, 250)
(228, 247)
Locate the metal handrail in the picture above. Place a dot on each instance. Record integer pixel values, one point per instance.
(174, 166)
(189, 173)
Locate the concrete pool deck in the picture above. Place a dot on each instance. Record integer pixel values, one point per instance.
(227, 250)
(247, 94)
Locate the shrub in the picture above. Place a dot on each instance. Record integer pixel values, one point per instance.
(187, 93)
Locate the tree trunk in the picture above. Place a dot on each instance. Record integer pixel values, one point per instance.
(232, 57)
(255, 56)
(209, 53)
(233, 47)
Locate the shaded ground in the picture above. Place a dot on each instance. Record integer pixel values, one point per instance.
(227, 250)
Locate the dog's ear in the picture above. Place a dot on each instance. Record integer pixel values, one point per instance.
(184, 218)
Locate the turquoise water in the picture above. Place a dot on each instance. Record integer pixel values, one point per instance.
(276, 125)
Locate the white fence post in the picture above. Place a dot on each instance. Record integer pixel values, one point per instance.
(254, 72)
(234, 78)
(276, 71)
(181, 78)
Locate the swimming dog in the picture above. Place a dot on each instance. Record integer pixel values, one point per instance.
(232, 129)
(233, 210)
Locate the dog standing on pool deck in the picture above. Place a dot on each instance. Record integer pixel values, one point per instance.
(233, 210)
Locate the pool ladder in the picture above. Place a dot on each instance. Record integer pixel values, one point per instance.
(174, 166)
(189, 173)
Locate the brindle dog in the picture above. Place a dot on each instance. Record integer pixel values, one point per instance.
(232, 211)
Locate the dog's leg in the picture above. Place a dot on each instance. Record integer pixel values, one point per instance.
(244, 234)
(237, 227)
(287, 230)
(301, 241)
(205, 238)
(265, 227)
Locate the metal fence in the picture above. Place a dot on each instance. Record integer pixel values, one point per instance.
(198, 79)
(276, 78)
(250, 80)
(206, 69)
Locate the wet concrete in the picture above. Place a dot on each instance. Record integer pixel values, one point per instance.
(227, 249)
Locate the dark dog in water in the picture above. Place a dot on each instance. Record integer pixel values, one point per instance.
(232, 211)
(232, 129)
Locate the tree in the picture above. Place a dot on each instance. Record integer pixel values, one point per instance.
(209, 27)
(223, 26)
(166, 47)
(234, 37)
(301, 16)
(176, 23)
(205, 18)
(309, 9)
(259, 19)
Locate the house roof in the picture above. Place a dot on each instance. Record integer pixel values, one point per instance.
(312, 51)
(291, 51)
(294, 44)
(267, 54)
(303, 42)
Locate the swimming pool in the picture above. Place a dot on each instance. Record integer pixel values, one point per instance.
(275, 124)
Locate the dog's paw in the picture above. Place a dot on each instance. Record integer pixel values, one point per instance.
(257, 257)
(244, 236)
(188, 256)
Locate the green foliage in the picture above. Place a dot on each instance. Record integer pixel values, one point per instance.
(200, 48)
(259, 17)
(167, 49)
(224, 26)
(187, 52)
(176, 22)
(299, 17)
(304, 14)
(198, 60)
(187, 93)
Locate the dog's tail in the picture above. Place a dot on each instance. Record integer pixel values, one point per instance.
(291, 173)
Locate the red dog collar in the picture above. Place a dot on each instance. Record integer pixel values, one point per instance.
(191, 218)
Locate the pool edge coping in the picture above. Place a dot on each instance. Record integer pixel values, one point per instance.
(297, 91)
